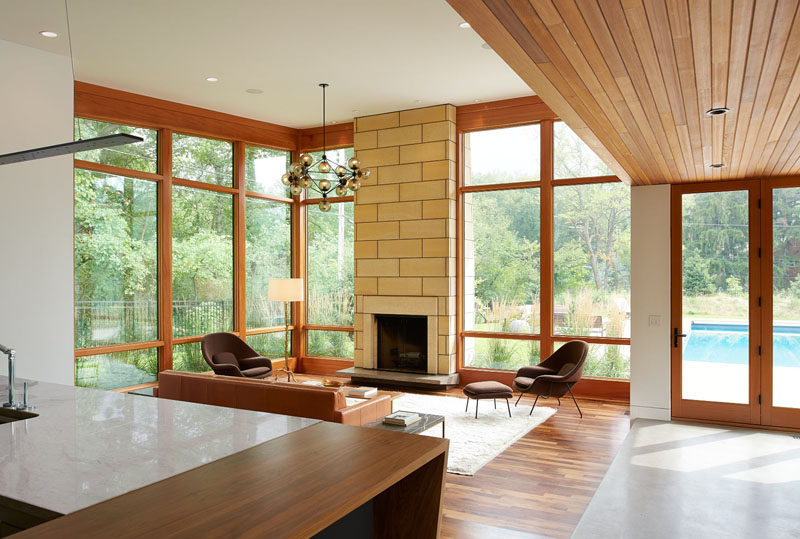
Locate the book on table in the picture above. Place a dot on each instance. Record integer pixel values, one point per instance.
(402, 419)
(354, 401)
(362, 392)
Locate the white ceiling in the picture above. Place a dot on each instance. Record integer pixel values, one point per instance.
(377, 55)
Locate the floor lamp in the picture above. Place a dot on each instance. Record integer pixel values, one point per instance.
(285, 290)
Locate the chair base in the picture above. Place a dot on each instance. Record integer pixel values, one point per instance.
(536, 400)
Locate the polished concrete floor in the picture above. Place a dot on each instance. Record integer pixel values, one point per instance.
(673, 480)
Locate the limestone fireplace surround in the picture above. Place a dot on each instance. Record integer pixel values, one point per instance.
(409, 306)
(405, 233)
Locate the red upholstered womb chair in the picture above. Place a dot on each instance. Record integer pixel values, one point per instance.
(229, 355)
(554, 376)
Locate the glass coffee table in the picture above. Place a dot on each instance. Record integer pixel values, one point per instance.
(426, 421)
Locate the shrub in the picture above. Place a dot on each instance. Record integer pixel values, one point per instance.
(696, 279)
(733, 286)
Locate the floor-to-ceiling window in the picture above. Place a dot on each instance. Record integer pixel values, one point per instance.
(116, 261)
(204, 223)
(175, 237)
(268, 247)
(591, 257)
(545, 239)
(329, 271)
(501, 239)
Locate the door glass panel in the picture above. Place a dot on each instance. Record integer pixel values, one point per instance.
(715, 280)
(786, 297)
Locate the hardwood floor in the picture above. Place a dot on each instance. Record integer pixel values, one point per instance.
(541, 485)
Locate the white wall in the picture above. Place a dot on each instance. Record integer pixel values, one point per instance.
(650, 297)
(36, 298)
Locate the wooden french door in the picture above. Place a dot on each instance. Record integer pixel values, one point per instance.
(716, 320)
(735, 335)
(780, 361)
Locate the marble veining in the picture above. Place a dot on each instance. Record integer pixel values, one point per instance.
(89, 445)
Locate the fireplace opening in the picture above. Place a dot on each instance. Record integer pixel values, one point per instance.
(402, 343)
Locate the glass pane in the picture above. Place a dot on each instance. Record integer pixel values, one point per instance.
(504, 354)
(188, 357)
(606, 360)
(269, 256)
(502, 155)
(116, 269)
(141, 156)
(572, 157)
(592, 260)
(120, 369)
(501, 261)
(202, 159)
(270, 345)
(330, 265)
(786, 298)
(715, 297)
(330, 343)
(202, 261)
(263, 170)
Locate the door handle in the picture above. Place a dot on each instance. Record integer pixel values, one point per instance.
(675, 336)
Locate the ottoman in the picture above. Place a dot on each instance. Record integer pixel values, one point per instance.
(487, 390)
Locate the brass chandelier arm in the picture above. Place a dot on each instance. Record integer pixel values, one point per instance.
(301, 176)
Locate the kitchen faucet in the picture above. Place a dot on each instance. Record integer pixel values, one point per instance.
(10, 352)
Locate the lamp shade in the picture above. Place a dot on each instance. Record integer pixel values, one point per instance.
(285, 290)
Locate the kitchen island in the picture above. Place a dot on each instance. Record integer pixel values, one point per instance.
(122, 465)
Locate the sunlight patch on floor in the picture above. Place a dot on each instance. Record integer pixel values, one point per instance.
(702, 456)
(669, 432)
(785, 471)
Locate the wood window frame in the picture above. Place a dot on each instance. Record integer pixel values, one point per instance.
(104, 104)
(339, 136)
(512, 113)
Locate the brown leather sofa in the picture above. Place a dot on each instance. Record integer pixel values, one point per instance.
(314, 402)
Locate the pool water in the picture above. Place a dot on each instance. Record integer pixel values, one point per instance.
(727, 343)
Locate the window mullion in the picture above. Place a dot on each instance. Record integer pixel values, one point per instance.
(546, 242)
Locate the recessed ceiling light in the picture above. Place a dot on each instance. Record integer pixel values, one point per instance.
(486, 46)
(254, 91)
(718, 111)
(477, 101)
(212, 79)
(464, 25)
(333, 122)
(356, 111)
(48, 33)
(716, 165)
(418, 101)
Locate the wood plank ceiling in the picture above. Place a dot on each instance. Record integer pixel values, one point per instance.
(634, 78)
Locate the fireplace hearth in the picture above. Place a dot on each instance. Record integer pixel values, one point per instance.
(402, 343)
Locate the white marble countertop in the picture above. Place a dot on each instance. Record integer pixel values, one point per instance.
(89, 445)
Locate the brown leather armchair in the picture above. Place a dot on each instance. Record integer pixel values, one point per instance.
(554, 376)
(229, 355)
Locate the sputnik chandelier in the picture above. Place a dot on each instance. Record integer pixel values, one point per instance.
(306, 174)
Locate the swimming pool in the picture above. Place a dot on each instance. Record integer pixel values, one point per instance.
(727, 343)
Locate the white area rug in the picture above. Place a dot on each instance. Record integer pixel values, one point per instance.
(474, 442)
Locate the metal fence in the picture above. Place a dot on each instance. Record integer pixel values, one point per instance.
(104, 322)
